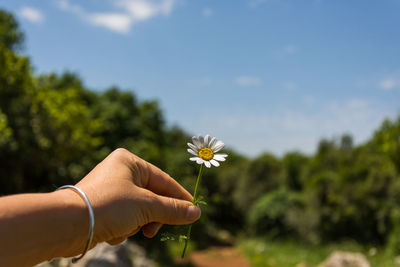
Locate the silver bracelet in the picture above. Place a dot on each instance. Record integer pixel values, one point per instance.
(91, 215)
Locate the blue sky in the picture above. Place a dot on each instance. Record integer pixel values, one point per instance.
(262, 75)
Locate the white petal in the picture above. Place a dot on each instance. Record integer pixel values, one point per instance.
(194, 158)
(207, 163)
(199, 161)
(206, 140)
(212, 142)
(196, 142)
(192, 152)
(218, 146)
(220, 157)
(217, 142)
(201, 140)
(214, 162)
(193, 147)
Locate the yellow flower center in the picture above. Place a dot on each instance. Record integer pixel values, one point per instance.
(206, 153)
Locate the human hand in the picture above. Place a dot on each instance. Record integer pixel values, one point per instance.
(127, 193)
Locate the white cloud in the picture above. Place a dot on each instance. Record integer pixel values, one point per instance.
(67, 6)
(31, 14)
(207, 12)
(388, 84)
(130, 12)
(113, 21)
(247, 81)
(141, 10)
(388, 81)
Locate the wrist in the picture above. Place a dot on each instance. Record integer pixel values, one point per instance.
(73, 222)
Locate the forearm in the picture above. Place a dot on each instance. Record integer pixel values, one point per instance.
(39, 227)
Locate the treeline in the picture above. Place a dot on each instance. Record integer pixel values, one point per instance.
(54, 130)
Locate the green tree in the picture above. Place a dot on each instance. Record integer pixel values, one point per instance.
(267, 216)
(386, 140)
(10, 35)
(295, 165)
(262, 175)
(16, 145)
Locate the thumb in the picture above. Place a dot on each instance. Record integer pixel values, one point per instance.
(167, 210)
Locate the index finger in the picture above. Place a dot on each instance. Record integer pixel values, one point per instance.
(161, 183)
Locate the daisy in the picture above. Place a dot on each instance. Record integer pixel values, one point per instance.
(204, 149)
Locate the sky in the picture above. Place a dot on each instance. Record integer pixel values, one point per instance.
(261, 75)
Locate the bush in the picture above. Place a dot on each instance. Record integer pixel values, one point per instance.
(267, 216)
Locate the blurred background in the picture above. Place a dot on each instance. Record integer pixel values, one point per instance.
(305, 94)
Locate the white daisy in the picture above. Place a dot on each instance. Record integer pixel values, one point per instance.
(204, 149)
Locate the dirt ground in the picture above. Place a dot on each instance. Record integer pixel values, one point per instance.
(218, 256)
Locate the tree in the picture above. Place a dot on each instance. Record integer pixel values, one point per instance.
(16, 145)
(267, 216)
(10, 35)
(386, 141)
(295, 165)
(262, 175)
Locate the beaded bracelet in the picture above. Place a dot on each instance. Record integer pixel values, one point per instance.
(91, 215)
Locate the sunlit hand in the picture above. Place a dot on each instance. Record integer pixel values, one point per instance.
(128, 193)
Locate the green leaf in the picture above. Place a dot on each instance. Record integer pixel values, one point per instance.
(167, 237)
(201, 202)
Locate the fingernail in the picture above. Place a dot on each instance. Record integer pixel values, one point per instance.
(193, 212)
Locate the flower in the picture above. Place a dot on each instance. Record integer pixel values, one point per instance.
(204, 149)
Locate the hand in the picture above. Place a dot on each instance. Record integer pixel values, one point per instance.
(127, 193)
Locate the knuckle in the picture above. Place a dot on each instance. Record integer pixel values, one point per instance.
(121, 152)
(174, 214)
(145, 171)
(127, 157)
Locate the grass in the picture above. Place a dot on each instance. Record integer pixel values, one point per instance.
(264, 253)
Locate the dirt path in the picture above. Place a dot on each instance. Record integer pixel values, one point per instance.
(218, 256)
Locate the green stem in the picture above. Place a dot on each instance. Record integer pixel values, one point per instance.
(186, 241)
(197, 183)
(194, 201)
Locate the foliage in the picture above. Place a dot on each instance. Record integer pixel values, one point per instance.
(294, 165)
(263, 174)
(386, 141)
(10, 35)
(268, 213)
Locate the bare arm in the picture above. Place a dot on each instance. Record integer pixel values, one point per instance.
(126, 193)
(39, 227)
